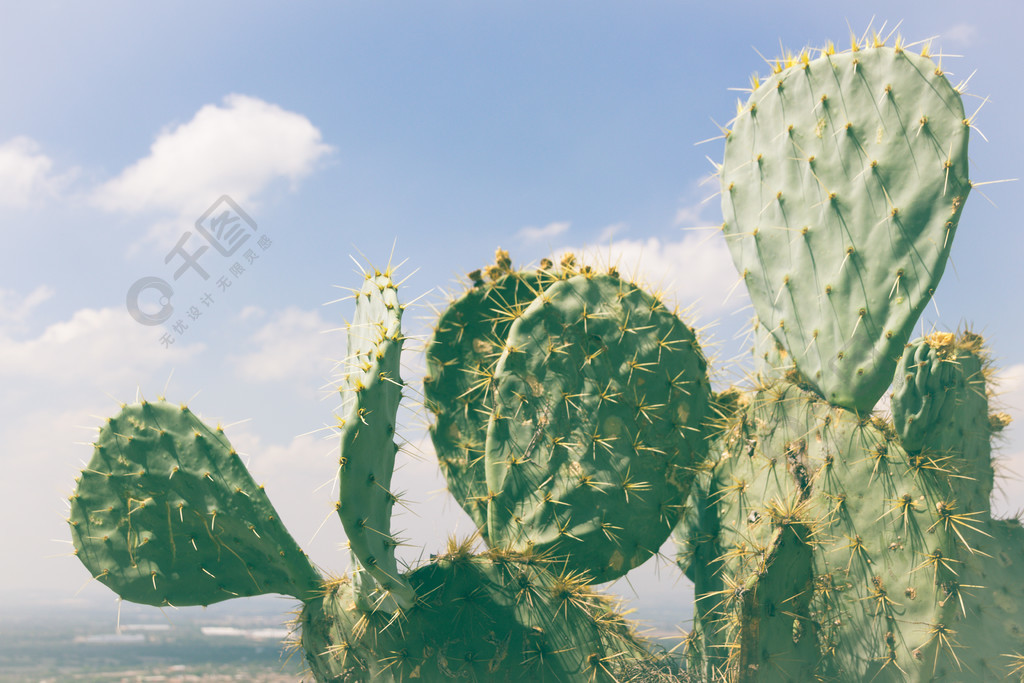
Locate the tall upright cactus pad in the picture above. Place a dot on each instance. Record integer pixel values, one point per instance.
(842, 184)
(461, 356)
(371, 392)
(166, 513)
(499, 616)
(910, 578)
(600, 399)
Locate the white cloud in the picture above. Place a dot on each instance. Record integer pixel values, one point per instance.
(532, 235)
(93, 345)
(960, 34)
(15, 309)
(696, 270)
(1010, 388)
(237, 148)
(25, 173)
(689, 217)
(611, 231)
(291, 345)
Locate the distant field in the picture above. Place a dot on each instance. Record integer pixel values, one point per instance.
(82, 644)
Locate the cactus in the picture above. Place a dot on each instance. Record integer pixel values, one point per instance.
(826, 543)
(166, 513)
(600, 397)
(569, 408)
(574, 423)
(892, 568)
(372, 390)
(499, 616)
(466, 345)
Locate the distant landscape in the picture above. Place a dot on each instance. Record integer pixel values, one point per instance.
(84, 643)
(233, 641)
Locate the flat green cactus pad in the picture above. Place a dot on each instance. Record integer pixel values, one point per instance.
(371, 391)
(461, 356)
(600, 399)
(166, 513)
(842, 184)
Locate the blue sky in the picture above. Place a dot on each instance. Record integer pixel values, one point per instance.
(449, 127)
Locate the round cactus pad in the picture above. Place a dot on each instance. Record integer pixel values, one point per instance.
(166, 513)
(600, 397)
(461, 357)
(842, 184)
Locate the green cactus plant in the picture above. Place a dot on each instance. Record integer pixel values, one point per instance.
(574, 423)
(824, 542)
(372, 390)
(570, 421)
(496, 616)
(461, 356)
(165, 513)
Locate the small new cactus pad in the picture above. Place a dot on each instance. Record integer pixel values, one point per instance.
(166, 513)
(600, 400)
(466, 345)
(371, 392)
(842, 184)
(930, 386)
(499, 616)
(939, 406)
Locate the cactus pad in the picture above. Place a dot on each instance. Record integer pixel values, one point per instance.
(842, 184)
(465, 348)
(371, 392)
(166, 513)
(600, 400)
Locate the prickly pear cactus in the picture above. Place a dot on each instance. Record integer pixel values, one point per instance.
(878, 562)
(826, 543)
(571, 419)
(499, 616)
(371, 391)
(843, 181)
(166, 513)
(574, 422)
(600, 400)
